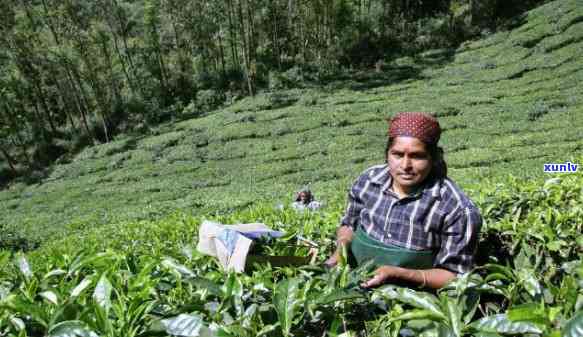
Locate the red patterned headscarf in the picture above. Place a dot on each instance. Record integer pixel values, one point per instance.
(415, 124)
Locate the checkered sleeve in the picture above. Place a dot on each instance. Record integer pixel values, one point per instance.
(355, 203)
(459, 240)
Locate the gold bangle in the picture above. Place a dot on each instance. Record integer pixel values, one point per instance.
(424, 279)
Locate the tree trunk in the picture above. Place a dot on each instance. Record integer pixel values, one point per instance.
(9, 116)
(39, 122)
(46, 109)
(8, 159)
(163, 73)
(233, 36)
(82, 108)
(67, 107)
(290, 10)
(120, 56)
(246, 56)
(302, 39)
(275, 43)
(252, 45)
(222, 54)
(22, 147)
(123, 27)
(114, 88)
(50, 23)
(81, 89)
(29, 15)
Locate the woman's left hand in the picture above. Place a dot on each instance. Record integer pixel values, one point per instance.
(382, 275)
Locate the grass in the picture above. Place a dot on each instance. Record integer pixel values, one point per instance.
(508, 103)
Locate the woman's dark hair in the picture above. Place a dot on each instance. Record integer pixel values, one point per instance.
(439, 166)
(310, 196)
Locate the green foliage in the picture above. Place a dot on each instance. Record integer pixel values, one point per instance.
(78, 73)
(208, 100)
(538, 110)
(115, 260)
(137, 278)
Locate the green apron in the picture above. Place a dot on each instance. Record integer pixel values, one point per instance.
(365, 248)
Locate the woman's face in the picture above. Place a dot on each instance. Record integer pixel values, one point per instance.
(409, 163)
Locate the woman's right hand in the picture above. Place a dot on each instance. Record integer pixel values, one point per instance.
(332, 261)
(344, 237)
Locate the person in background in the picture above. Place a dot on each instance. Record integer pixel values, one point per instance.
(305, 200)
(407, 216)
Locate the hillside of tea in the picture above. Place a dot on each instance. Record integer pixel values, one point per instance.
(110, 236)
(508, 104)
(145, 278)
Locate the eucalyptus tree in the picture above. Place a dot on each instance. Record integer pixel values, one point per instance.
(13, 124)
(121, 22)
(152, 50)
(180, 16)
(5, 134)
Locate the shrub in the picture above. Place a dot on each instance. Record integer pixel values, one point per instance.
(280, 131)
(280, 99)
(308, 100)
(6, 174)
(191, 110)
(365, 51)
(210, 99)
(276, 81)
(537, 110)
(433, 33)
(294, 76)
(140, 106)
(291, 78)
(12, 240)
(45, 153)
(231, 97)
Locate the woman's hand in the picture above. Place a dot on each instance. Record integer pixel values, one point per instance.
(382, 275)
(431, 278)
(343, 238)
(333, 260)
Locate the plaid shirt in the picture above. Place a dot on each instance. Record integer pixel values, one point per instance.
(439, 217)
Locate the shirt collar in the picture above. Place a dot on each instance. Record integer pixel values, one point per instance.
(384, 178)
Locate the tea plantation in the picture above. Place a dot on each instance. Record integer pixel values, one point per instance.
(115, 228)
(508, 104)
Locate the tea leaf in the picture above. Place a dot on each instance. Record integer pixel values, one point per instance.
(24, 266)
(71, 329)
(102, 293)
(417, 299)
(81, 287)
(50, 296)
(181, 269)
(287, 303)
(338, 295)
(574, 327)
(186, 325)
(501, 324)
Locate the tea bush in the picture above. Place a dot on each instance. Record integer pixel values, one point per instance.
(145, 278)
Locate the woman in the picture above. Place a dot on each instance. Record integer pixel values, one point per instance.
(305, 200)
(407, 215)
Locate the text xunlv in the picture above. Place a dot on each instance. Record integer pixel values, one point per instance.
(566, 167)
